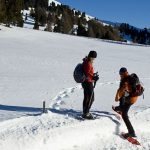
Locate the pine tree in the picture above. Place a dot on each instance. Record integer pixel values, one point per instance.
(109, 35)
(29, 3)
(91, 32)
(13, 12)
(42, 4)
(83, 15)
(58, 27)
(32, 13)
(81, 30)
(43, 16)
(2, 10)
(51, 20)
(40, 13)
(67, 23)
(36, 24)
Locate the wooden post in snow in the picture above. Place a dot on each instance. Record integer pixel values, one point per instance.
(44, 108)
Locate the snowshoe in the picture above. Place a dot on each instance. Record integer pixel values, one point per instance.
(130, 138)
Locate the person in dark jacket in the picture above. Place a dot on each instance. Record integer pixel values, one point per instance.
(124, 96)
(88, 84)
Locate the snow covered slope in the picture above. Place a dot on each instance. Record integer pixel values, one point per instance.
(37, 66)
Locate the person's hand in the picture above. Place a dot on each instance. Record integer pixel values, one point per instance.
(96, 74)
(96, 77)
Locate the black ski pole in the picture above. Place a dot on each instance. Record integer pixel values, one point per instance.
(92, 94)
(94, 84)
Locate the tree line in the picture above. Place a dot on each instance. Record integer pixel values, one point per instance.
(63, 19)
(10, 12)
(141, 36)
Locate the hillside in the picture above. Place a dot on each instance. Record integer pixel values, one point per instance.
(52, 16)
(61, 18)
(32, 72)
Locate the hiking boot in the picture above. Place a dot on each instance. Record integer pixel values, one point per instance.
(88, 116)
(117, 111)
(126, 135)
(132, 135)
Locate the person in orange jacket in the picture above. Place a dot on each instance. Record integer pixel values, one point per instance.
(88, 84)
(125, 96)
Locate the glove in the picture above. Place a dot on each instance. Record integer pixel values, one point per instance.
(96, 77)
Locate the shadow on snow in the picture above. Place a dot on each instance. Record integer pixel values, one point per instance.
(75, 114)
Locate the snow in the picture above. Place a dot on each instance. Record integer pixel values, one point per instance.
(29, 23)
(88, 17)
(38, 66)
(56, 2)
(107, 23)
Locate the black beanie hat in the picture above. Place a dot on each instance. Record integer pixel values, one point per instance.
(92, 54)
(122, 70)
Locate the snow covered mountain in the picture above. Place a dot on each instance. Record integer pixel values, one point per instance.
(38, 66)
(104, 22)
(79, 23)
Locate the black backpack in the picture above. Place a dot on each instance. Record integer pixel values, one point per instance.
(137, 87)
(78, 74)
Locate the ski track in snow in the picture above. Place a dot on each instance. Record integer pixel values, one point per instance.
(63, 94)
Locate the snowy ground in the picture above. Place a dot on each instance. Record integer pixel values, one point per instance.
(37, 66)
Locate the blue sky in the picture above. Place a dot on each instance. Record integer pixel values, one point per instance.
(134, 12)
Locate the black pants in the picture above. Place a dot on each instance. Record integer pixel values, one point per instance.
(88, 96)
(124, 108)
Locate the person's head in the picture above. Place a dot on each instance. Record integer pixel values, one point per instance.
(92, 55)
(123, 72)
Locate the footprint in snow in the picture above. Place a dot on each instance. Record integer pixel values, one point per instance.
(61, 96)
